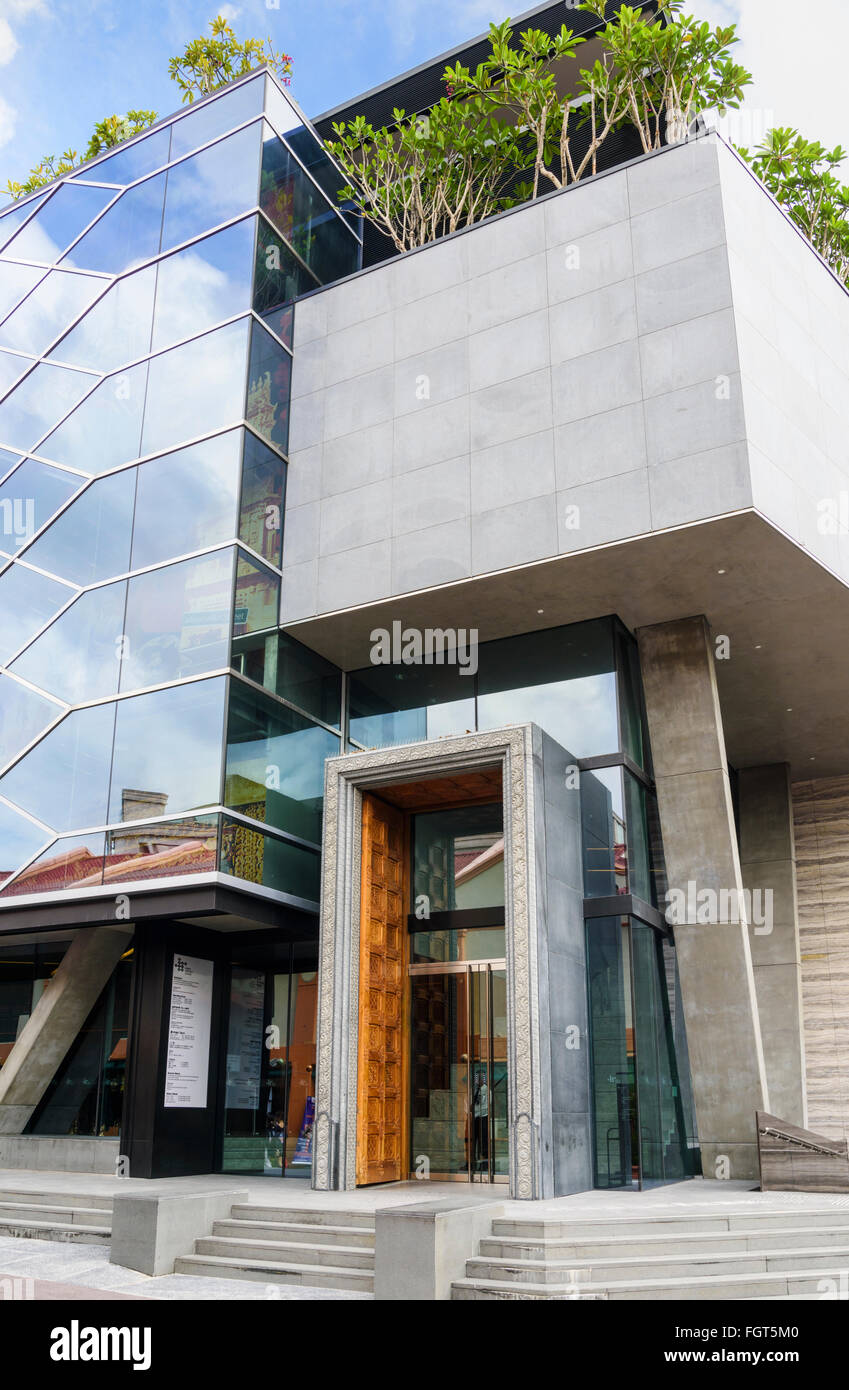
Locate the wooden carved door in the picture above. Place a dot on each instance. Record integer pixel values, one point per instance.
(381, 1094)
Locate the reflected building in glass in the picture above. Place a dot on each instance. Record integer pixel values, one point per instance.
(364, 622)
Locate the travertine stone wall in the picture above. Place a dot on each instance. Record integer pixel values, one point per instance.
(821, 816)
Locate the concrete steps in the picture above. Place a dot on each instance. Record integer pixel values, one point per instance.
(319, 1248)
(752, 1255)
(68, 1217)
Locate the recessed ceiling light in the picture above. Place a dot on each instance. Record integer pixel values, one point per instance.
(789, 709)
(759, 647)
(540, 610)
(722, 571)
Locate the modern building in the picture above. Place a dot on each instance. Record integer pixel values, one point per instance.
(424, 745)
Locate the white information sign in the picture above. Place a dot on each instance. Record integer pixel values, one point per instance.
(187, 1067)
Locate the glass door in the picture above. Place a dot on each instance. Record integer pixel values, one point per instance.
(459, 1102)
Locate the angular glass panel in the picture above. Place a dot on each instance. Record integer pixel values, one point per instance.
(64, 780)
(19, 839)
(281, 664)
(257, 598)
(612, 1052)
(56, 302)
(402, 704)
(214, 118)
(284, 116)
(187, 500)
(275, 764)
(632, 707)
(458, 857)
(12, 369)
(106, 430)
(129, 233)
(168, 746)
(76, 862)
(28, 499)
(303, 215)
(14, 217)
(58, 223)
(280, 277)
(78, 657)
(203, 285)
(125, 166)
(8, 461)
(178, 621)
(16, 281)
(23, 715)
(115, 331)
(162, 850)
(562, 679)
(269, 382)
(212, 187)
(38, 402)
(27, 601)
(258, 858)
(261, 510)
(196, 389)
(91, 540)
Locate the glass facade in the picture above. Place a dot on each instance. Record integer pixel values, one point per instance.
(24, 971)
(145, 358)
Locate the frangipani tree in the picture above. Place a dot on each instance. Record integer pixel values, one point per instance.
(800, 174)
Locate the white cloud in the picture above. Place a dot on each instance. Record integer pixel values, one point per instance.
(8, 122)
(8, 43)
(228, 12)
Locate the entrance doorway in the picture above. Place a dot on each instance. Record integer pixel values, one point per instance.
(459, 1127)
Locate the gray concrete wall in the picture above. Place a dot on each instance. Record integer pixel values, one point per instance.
(54, 1023)
(60, 1154)
(700, 843)
(453, 407)
(768, 866)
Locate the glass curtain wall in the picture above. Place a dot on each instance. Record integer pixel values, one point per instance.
(145, 368)
(24, 971)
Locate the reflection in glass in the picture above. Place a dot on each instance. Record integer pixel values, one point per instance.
(402, 704)
(178, 621)
(562, 679)
(168, 748)
(105, 430)
(65, 214)
(261, 509)
(213, 118)
(64, 780)
(280, 277)
(458, 857)
(39, 401)
(612, 1058)
(269, 380)
(12, 369)
(13, 217)
(27, 601)
(212, 187)
(28, 499)
(203, 285)
(275, 764)
(127, 235)
(52, 305)
(75, 862)
(115, 331)
(196, 389)
(8, 461)
(249, 854)
(90, 541)
(622, 851)
(308, 680)
(15, 282)
(162, 849)
(303, 215)
(125, 166)
(187, 500)
(458, 943)
(86, 1096)
(19, 839)
(23, 715)
(257, 597)
(78, 657)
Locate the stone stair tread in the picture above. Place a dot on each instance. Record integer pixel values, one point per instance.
(286, 1246)
(229, 1262)
(59, 1200)
(26, 1224)
(303, 1216)
(664, 1237)
(678, 1284)
(626, 1261)
(289, 1226)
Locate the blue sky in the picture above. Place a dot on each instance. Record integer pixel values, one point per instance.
(65, 64)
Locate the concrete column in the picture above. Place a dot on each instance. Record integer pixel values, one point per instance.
(768, 863)
(703, 869)
(55, 1021)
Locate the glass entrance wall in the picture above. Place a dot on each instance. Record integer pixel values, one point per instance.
(643, 1118)
(86, 1095)
(24, 971)
(269, 1083)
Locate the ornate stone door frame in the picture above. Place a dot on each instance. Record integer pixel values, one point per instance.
(334, 1163)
